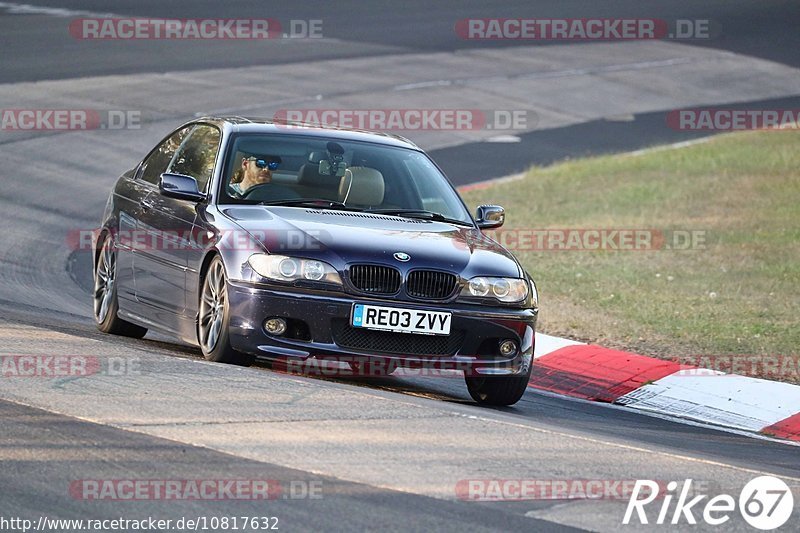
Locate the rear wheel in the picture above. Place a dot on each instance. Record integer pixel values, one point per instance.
(498, 390)
(214, 318)
(106, 305)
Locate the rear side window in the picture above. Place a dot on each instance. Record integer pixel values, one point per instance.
(197, 154)
(159, 160)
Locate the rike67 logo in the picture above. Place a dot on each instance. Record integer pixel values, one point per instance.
(765, 503)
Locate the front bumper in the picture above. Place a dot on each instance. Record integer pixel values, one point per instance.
(320, 328)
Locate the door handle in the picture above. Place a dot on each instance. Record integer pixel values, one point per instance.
(146, 204)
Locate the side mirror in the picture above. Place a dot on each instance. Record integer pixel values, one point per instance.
(490, 216)
(180, 187)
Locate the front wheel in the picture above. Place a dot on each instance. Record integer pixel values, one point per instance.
(106, 304)
(498, 390)
(214, 317)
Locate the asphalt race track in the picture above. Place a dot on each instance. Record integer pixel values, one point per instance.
(387, 453)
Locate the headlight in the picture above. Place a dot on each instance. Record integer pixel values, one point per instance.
(502, 289)
(287, 269)
(534, 295)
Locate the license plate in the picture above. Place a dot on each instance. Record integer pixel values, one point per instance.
(402, 320)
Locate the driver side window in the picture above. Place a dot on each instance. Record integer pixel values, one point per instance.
(158, 161)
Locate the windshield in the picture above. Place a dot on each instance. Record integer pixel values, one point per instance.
(275, 169)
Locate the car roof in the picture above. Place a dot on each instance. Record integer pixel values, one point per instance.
(238, 124)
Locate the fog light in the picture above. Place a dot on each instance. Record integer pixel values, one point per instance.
(275, 326)
(508, 347)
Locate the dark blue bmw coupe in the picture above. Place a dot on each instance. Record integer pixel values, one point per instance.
(292, 242)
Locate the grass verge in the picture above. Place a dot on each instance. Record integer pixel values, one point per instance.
(733, 295)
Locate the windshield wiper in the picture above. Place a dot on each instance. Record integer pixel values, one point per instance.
(422, 214)
(316, 203)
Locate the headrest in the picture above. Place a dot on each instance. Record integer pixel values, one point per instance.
(361, 186)
(309, 175)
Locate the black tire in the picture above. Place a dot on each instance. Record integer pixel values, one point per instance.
(104, 297)
(499, 390)
(214, 315)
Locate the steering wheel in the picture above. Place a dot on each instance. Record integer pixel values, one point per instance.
(270, 191)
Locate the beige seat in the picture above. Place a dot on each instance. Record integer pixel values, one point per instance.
(362, 186)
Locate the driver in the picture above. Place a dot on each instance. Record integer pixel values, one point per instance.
(254, 171)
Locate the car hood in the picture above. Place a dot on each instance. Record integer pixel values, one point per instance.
(347, 237)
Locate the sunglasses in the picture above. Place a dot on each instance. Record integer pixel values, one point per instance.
(265, 163)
